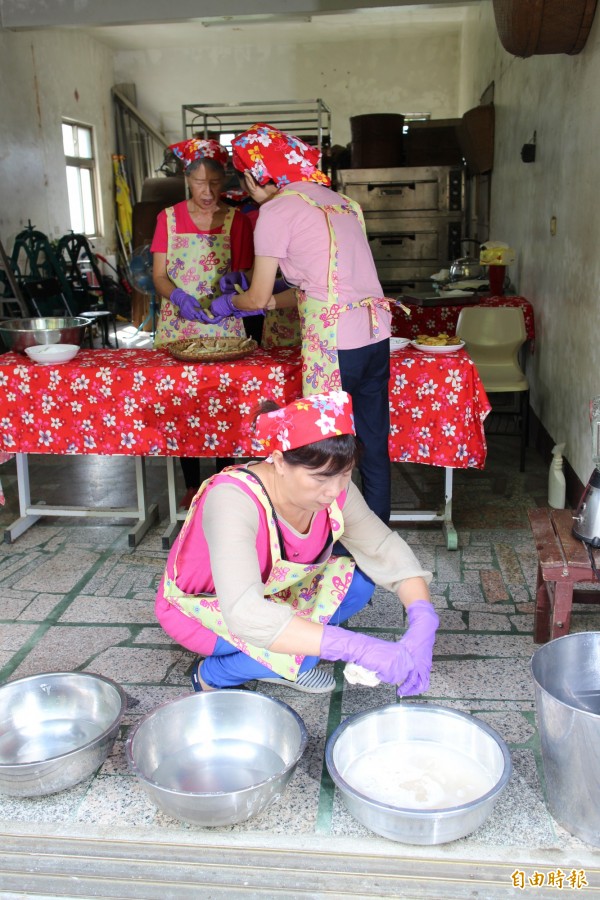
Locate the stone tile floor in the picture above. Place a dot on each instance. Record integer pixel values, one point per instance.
(75, 596)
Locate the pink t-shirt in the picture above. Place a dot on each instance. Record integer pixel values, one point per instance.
(296, 234)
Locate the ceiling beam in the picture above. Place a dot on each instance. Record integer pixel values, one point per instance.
(15, 14)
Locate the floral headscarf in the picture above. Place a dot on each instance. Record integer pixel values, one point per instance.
(273, 155)
(197, 148)
(306, 421)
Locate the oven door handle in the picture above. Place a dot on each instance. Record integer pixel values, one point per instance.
(395, 239)
(393, 188)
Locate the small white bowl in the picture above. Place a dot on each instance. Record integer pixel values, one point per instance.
(51, 354)
(398, 343)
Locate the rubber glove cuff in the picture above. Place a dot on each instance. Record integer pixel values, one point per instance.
(224, 306)
(281, 285)
(228, 282)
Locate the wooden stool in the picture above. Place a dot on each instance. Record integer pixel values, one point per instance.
(563, 561)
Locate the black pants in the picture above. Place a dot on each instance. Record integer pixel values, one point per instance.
(365, 376)
(190, 466)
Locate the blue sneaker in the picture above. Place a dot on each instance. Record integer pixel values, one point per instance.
(196, 675)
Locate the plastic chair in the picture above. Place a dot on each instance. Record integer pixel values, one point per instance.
(493, 337)
(82, 272)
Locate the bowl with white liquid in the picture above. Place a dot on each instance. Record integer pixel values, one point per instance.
(418, 774)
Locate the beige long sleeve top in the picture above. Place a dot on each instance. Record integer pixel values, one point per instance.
(231, 523)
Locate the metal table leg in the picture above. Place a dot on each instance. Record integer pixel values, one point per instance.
(176, 517)
(445, 517)
(30, 513)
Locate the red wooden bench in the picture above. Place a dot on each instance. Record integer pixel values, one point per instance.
(563, 561)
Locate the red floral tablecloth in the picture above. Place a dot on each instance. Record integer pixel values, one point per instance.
(435, 319)
(437, 408)
(139, 402)
(145, 403)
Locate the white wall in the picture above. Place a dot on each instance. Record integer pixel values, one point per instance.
(45, 76)
(386, 68)
(557, 97)
(437, 66)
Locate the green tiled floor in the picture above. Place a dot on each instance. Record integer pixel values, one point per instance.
(75, 596)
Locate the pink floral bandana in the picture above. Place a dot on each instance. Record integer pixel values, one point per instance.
(197, 148)
(306, 421)
(273, 155)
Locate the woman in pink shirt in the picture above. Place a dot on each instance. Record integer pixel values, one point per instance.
(196, 242)
(273, 614)
(317, 237)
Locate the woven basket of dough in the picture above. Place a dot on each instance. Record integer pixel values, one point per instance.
(217, 349)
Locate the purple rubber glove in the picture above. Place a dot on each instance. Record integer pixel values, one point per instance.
(190, 308)
(281, 285)
(228, 282)
(390, 661)
(224, 306)
(419, 640)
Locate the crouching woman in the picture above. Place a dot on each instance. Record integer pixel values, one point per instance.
(252, 585)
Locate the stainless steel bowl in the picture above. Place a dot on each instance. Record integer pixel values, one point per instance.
(56, 729)
(17, 334)
(217, 758)
(399, 723)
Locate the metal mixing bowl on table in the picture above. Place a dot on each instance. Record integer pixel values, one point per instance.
(17, 334)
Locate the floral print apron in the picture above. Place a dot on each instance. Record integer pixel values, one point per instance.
(195, 263)
(281, 328)
(313, 590)
(318, 320)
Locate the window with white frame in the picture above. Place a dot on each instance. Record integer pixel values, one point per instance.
(78, 144)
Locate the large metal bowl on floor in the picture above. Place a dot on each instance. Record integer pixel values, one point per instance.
(17, 334)
(219, 757)
(56, 729)
(446, 731)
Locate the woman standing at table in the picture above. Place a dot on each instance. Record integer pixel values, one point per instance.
(273, 614)
(317, 237)
(196, 243)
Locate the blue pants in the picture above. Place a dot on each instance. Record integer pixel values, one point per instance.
(229, 667)
(365, 376)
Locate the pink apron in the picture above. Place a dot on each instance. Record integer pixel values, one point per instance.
(314, 590)
(195, 263)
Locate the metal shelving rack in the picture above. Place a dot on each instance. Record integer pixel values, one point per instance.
(308, 119)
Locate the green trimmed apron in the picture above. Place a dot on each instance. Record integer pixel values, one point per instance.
(313, 590)
(195, 263)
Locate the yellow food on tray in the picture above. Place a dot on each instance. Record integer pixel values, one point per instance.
(439, 340)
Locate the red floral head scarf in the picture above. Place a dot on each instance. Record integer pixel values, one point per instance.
(273, 155)
(306, 421)
(197, 148)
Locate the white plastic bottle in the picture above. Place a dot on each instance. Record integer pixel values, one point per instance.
(556, 479)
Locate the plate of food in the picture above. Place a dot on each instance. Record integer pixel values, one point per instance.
(398, 343)
(211, 349)
(438, 343)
